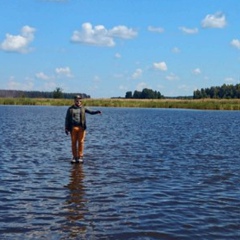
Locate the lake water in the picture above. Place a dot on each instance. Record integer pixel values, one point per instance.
(148, 174)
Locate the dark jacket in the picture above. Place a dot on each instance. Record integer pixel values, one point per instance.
(76, 117)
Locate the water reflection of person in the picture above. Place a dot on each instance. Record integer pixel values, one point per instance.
(75, 204)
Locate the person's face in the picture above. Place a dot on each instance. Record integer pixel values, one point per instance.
(78, 102)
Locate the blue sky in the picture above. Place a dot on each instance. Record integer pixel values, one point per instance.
(105, 48)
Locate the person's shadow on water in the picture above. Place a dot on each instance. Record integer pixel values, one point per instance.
(75, 203)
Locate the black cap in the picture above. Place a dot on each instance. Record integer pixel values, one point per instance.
(77, 97)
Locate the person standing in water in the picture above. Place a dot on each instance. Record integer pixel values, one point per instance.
(75, 123)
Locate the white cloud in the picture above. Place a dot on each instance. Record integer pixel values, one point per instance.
(100, 36)
(196, 71)
(12, 84)
(60, 72)
(122, 32)
(66, 71)
(217, 20)
(155, 29)
(189, 30)
(19, 43)
(172, 77)
(235, 43)
(137, 73)
(160, 66)
(42, 76)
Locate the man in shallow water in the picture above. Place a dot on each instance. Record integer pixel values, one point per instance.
(75, 123)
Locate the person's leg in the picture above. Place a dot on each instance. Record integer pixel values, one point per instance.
(74, 138)
(81, 139)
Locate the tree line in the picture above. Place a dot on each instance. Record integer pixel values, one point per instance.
(225, 91)
(144, 94)
(57, 93)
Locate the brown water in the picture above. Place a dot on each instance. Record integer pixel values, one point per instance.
(148, 174)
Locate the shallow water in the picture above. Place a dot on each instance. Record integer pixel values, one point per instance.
(148, 174)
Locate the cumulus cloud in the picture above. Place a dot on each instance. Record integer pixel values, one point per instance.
(13, 84)
(137, 73)
(122, 32)
(100, 36)
(160, 66)
(19, 43)
(189, 30)
(235, 43)
(156, 29)
(64, 71)
(42, 76)
(60, 72)
(196, 71)
(217, 20)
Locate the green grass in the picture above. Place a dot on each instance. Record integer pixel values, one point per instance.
(207, 104)
(35, 101)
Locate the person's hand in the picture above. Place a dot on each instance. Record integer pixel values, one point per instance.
(66, 131)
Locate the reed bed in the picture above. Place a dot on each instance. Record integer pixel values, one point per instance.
(205, 104)
(35, 101)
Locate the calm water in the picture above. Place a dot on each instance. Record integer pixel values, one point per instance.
(148, 174)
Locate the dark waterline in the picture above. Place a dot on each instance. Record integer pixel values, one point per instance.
(148, 174)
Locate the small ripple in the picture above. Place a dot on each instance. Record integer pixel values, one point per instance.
(174, 180)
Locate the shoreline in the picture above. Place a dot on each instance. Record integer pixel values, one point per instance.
(200, 104)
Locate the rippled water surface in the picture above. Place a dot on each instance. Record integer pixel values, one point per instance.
(148, 174)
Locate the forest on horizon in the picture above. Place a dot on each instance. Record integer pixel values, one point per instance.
(223, 92)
